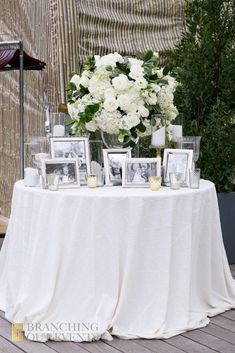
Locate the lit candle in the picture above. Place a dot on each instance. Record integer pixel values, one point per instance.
(177, 131)
(159, 137)
(92, 181)
(31, 177)
(155, 183)
(59, 130)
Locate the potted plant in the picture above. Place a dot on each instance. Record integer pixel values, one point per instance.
(204, 63)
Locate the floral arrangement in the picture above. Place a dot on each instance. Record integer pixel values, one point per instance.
(122, 96)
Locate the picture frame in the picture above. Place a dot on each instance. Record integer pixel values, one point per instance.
(177, 160)
(66, 168)
(73, 147)
(113, 162)
(136, 171)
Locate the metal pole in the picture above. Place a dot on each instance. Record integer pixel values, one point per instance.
(21, 82)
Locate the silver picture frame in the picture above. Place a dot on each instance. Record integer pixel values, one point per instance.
(73, 147)
(66, 168)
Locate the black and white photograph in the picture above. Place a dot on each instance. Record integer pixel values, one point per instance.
(73, 147)
(136, 171)
(66, 169)
(177, 161)
(113, 160)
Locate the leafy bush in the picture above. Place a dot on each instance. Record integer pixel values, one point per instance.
(204, 63)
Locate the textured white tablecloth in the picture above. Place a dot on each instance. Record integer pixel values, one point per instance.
(135, 262)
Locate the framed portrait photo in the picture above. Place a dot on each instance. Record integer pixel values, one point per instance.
(136, 171)
(177, 161)
(73, 147)
(113, 161)
(66, 169)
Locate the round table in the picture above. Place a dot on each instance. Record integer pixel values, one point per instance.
(113, 261)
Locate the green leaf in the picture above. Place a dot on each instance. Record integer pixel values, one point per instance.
(123, 68)
(83, 90)
(148, 55)
(166, 70)
(70, 86)
(139, 55)
(141, 127)
(89, 64)
(69, 121)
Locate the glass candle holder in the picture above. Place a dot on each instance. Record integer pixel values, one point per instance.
(155, 183)
(92, 181)
(53, 182)
(194, 178)
(176, 180)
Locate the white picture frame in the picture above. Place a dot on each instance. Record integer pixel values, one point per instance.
(73, 147)
(113, 162)
(69, 177)
(136, 171)
(177, 160)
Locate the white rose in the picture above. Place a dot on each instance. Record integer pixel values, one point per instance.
(131, 108)
(121, 82)
(110, 104)
(141, 82)
(123, 100)
(109, 93)
(76, 80)
(84, 81)
(109, 60)
(91, 126)
(118, 57)
(136, 71)
(144, 112)
(130, 120)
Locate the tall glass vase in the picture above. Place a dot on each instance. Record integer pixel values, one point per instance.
(110, 140)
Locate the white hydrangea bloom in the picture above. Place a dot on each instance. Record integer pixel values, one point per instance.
(156, 88)
(151, 99)
(109, 122)
(144, 112)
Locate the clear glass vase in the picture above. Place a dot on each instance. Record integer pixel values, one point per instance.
(110, 140)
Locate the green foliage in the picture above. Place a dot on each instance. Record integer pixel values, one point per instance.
(89, 64)
(205, 67)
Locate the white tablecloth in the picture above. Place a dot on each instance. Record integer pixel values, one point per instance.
(132, 262)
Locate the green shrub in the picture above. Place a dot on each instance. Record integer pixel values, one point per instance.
(204, 64)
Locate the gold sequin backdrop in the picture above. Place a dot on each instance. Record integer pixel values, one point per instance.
(62, 33)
